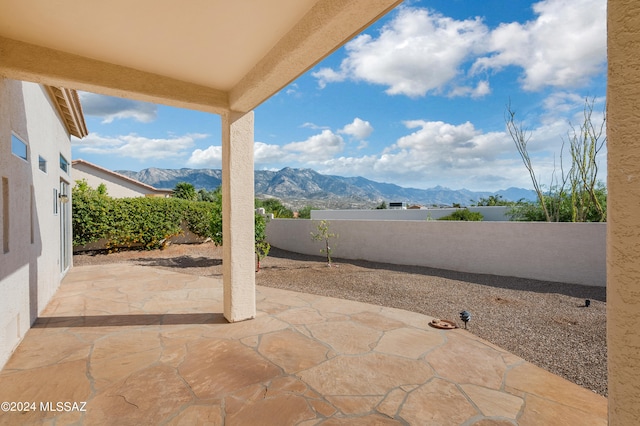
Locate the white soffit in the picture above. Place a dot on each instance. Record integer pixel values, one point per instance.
(211, 55)
(212, 43)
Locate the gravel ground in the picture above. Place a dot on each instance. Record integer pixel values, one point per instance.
(545, 323)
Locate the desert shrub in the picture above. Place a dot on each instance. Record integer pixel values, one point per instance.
(463, 214)
(565, 207)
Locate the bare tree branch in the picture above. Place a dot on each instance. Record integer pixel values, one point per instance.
(521, 138)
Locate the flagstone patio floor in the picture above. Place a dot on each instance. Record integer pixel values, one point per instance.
(133, 345)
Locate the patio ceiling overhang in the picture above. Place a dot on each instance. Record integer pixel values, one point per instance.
(213, 56)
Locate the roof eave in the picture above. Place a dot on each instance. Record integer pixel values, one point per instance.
(68, 105)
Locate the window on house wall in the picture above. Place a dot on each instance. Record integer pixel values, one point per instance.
(19, 148)
(42, 164)
(64, 164)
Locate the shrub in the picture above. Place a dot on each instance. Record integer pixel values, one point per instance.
(186, 191)
(145, 221)
(197, 215)
(91, 213)
(305, 212)
(463, 214)
(262, 247)
(127, 222)
(260, 225)
(275, 206)
(565, 206)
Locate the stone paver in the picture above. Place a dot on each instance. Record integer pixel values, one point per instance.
(346, 337)
(465, 360)
(141, 345)
(402, 342)
(438, 402)
(292, 351)
(494, 403)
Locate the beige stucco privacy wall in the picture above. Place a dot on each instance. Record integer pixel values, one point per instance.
(563, 252)
(31, 263)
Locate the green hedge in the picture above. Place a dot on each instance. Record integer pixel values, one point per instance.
(464, 214)
(127, 222)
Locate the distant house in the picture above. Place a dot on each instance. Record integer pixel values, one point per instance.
(36, 123)
(118, 186)
(398, 205)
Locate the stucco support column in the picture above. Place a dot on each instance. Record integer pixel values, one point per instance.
(623, 222)
(238, 262)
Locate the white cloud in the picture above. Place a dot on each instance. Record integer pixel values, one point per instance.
(293, 90)
(267, 154)
(327, 75)
(317, 148)
(438, 153)
(430, 153)
(563, 102)
(206, 158)
(572, 105)
(421, 51)
(482, 89)
(313, 126)
(436, 145)
(359, 129)
(363, 144)
(563, 47)
(138, 147)
(417, 52)
(462, 156)
(110, 108)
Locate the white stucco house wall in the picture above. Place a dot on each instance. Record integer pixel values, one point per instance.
(118, 186)
(36, 123)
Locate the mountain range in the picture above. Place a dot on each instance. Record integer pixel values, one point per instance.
(297, 188)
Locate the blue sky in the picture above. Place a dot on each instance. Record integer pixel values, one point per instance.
(418, 100)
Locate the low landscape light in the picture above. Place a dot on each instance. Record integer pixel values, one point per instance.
(465, 317)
